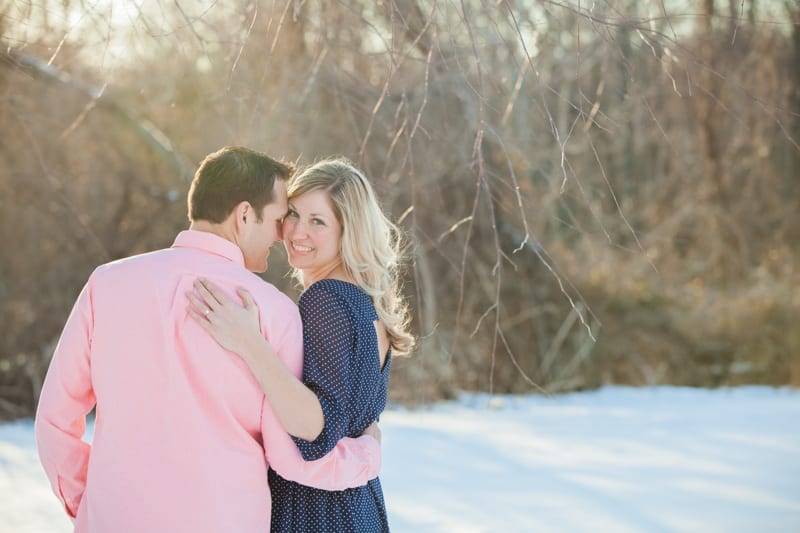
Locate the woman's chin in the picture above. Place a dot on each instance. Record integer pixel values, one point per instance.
(294, 263)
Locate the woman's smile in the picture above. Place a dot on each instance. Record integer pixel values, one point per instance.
(301, 248)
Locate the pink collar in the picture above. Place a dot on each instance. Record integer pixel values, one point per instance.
(208, 242)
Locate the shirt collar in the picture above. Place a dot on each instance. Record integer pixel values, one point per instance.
(208, 242)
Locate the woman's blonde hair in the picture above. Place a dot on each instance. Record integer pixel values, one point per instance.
(370, 244)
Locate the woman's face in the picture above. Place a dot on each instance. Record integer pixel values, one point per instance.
(312, 235)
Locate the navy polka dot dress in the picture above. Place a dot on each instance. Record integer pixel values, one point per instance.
(342, 366)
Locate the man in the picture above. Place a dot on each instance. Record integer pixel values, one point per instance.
(183, 434)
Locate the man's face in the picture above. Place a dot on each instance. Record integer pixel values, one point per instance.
(258, 236)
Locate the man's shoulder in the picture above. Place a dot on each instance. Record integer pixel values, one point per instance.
(280, 321)
(131, 262)
(274, 306)
(266, 294)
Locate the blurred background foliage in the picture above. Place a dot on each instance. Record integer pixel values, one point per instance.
(593, 192)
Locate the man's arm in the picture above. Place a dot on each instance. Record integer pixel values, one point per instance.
(66, 398)
(351, 463)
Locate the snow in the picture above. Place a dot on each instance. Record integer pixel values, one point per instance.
(613, 460)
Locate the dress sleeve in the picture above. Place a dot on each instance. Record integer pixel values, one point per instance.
(350, 463)
(67, 397)
(329, 342)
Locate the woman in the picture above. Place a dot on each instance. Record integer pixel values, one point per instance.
(344, 251)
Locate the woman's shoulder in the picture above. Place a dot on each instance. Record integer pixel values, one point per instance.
(338, 293)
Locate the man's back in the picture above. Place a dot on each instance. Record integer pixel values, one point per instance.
(183, 433)
(178, 433)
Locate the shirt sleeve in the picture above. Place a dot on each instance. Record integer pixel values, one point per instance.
(352, 462)
(66, 398)
(329, 341)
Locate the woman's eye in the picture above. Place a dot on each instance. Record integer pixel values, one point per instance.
(291, 213)
(317, 222)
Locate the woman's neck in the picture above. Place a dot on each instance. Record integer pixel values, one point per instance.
(335, 271)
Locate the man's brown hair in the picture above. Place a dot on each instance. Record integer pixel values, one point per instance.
(233, 175)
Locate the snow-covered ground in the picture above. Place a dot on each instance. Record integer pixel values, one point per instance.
(616, 459)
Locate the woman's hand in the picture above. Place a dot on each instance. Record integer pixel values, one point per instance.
(373, 431)
(236, 328)
(233, 326)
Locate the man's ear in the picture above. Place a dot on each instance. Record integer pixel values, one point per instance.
(242, 214)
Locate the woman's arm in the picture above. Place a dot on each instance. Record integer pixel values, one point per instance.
(329, 336)
(236, 328)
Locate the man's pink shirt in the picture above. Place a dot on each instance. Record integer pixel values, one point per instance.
(183, 433)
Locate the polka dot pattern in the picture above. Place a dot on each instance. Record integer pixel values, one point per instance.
(342, 366)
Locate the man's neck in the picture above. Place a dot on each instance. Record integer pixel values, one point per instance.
(220, 230)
